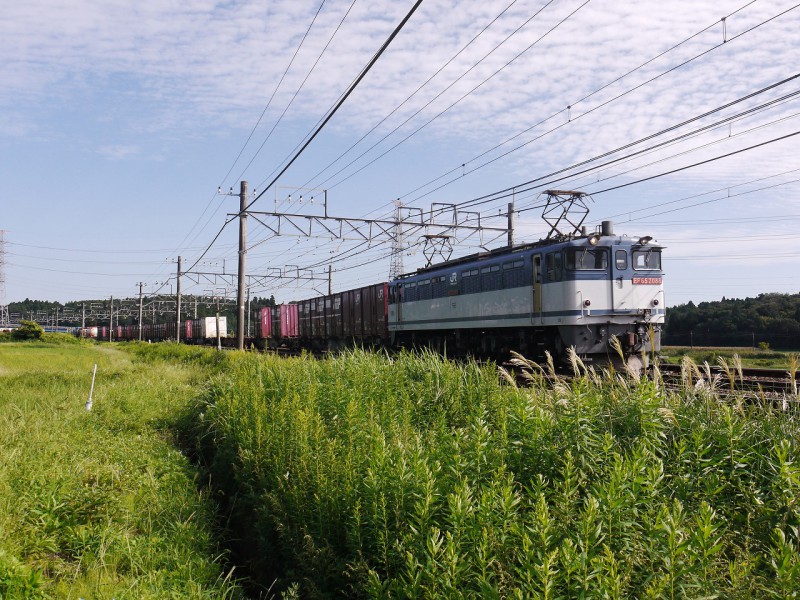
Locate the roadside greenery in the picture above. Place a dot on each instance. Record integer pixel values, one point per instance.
(415, 477)
(100, 503)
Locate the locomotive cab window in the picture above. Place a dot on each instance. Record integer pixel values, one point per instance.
(621, 259)
(647, 260)
(553, 266)
(587, 259)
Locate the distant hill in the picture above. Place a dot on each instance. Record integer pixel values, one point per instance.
(770, 318)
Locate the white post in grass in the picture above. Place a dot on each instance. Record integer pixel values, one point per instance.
(91, 390)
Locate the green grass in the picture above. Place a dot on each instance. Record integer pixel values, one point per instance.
(756, 358)
(414, 477)
(100, 504)
(370, 476)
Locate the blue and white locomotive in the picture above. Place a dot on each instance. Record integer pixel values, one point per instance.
(577, 290)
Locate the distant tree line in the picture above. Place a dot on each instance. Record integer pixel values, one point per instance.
(769, 319)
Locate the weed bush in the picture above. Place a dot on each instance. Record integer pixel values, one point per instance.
(411, 476)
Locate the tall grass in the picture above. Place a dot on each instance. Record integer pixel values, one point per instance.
(411, 476)
(99, 504)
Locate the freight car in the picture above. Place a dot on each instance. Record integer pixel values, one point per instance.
(577, 291)
(193, 331)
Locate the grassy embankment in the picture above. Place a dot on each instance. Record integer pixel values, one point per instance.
(99, 504)
(364, 476)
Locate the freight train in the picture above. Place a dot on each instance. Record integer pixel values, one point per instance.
(576, 291)
(194, 331)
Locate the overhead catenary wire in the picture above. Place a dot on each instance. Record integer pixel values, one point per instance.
(528, 185)
(341, 101)
(253, 130)
(435, 117)
(330, 115)
(427, 81)
(299, 88)
(586, 97)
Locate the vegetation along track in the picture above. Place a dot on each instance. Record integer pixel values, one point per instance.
(766, 381)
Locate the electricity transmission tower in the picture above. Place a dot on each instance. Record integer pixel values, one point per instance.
(396, 266)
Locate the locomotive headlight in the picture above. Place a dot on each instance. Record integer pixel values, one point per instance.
(587, 302)
(593, 240)
(655, 301)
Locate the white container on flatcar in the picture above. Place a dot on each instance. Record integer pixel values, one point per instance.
(208, 327)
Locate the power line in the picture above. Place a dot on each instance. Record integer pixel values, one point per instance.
(697, 164)
(341, 101)
(575, 118)
(427, 81)
(253, 130)
(302, 84)
(435, 117)
(528, 185)
(330, 114)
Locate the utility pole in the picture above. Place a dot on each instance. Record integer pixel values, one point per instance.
(219, 340)
(83, 318)
(141, 307)
(242, 254)
(330, 280)
(248, 311)
(178, 305)
(4, 317)
(110, 319)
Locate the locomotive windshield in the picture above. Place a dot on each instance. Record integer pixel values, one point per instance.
(587, 259)
(647, 260)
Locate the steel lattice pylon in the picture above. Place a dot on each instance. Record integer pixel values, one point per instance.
(396, 265)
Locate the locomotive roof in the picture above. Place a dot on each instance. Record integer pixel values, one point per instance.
(509, 250)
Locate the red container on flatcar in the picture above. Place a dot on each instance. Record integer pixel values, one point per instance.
(289, 320)
(265, 326)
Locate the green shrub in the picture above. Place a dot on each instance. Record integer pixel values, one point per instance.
(27, 330)
(412, 476)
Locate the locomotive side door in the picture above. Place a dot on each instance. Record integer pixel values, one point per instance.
(399, 299)
(536, 316)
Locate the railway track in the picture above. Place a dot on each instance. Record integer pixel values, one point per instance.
(766, 381)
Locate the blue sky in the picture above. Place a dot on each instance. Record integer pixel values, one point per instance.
(119, 121)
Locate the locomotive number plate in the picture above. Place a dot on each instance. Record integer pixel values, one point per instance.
(648, 280)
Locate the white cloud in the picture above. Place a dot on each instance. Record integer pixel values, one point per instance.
(144, 81)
